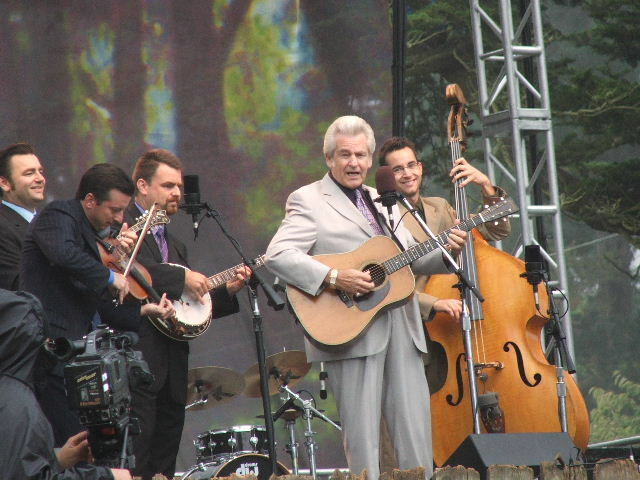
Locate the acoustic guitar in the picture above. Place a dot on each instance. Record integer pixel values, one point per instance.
(334, 317)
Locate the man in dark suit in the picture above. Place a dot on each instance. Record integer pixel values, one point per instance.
(22, 182)
(61, 266)
(160, 408)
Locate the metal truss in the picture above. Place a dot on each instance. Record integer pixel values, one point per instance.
(514, 105)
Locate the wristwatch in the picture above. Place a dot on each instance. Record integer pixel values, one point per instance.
(333, 276)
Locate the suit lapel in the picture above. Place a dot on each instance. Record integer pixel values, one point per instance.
(412, 225)
(430, 214)
(341, 203)
(15, 220)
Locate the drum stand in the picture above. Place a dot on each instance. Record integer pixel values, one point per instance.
(309, 411)
(292, 446)
(203, 398)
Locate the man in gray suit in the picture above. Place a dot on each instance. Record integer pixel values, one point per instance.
(380, 372)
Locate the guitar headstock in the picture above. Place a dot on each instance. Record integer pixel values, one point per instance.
(498, 210)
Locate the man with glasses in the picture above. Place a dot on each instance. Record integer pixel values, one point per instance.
(400, 154)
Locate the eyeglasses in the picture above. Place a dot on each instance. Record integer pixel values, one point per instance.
(411, 167)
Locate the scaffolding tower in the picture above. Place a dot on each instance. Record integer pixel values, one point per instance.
(514, 105)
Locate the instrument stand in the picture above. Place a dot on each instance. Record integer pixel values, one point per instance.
(463, 285)
(292, 446)
(310, 443)
(561, 357)
(202, 400)
(275, 301)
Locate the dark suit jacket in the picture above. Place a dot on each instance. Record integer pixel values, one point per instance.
(13, 227)
(61, 266)
(168, 358)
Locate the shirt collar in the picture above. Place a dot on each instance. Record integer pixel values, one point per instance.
(23, 212)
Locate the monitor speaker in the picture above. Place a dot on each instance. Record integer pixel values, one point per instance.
(520, 449)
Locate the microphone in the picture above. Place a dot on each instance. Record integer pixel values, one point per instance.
(323, 386)
(192, 204)
(535, 269)
(386, 186)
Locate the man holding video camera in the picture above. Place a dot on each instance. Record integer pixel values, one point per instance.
(26, 443)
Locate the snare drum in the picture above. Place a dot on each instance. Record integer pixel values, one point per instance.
(226, 465)
(241, 438)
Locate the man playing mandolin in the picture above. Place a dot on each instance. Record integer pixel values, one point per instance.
(379, 372)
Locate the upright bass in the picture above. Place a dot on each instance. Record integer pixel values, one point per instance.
(516, 384)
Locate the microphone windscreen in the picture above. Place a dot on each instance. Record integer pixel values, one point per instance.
(385, 180)
(191, 184)
(533, 259)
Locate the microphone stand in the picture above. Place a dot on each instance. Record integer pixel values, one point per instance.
(561, 356)
(466, 319)
(275, 301)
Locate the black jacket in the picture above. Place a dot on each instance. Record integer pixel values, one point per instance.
(26, 442)
(13, 227)
(168, 359)
(61, 266)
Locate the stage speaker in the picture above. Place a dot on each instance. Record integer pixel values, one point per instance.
(520, 449)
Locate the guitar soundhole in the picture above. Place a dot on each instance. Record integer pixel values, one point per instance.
(377, 273)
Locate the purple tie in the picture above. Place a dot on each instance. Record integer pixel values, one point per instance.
(364, 209)
(161, 240)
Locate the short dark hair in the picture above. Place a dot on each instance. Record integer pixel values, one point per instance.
(394, 144)
(101, 179)
(148, 163)
(10, 151)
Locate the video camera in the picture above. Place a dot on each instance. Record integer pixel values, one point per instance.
(99, 381)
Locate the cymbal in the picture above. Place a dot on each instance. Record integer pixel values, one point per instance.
(216, 385)
(283, 368)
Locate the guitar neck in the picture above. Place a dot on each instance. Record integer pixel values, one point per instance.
(229, 274)
(405, 258)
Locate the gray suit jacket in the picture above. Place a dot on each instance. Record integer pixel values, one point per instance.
(321, 219)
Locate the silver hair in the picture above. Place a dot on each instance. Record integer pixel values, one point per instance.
(349, 125)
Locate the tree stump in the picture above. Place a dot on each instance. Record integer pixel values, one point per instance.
(413, 474)
(549, 471)
(608, 469)
(455, 473)
(338, 475)
(509, 472)
(291, 477)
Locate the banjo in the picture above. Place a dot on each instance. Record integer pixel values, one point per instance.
(193, 315)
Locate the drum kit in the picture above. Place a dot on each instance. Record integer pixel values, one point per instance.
(244, 449)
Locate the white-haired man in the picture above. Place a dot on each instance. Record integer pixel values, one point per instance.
(380, 372)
